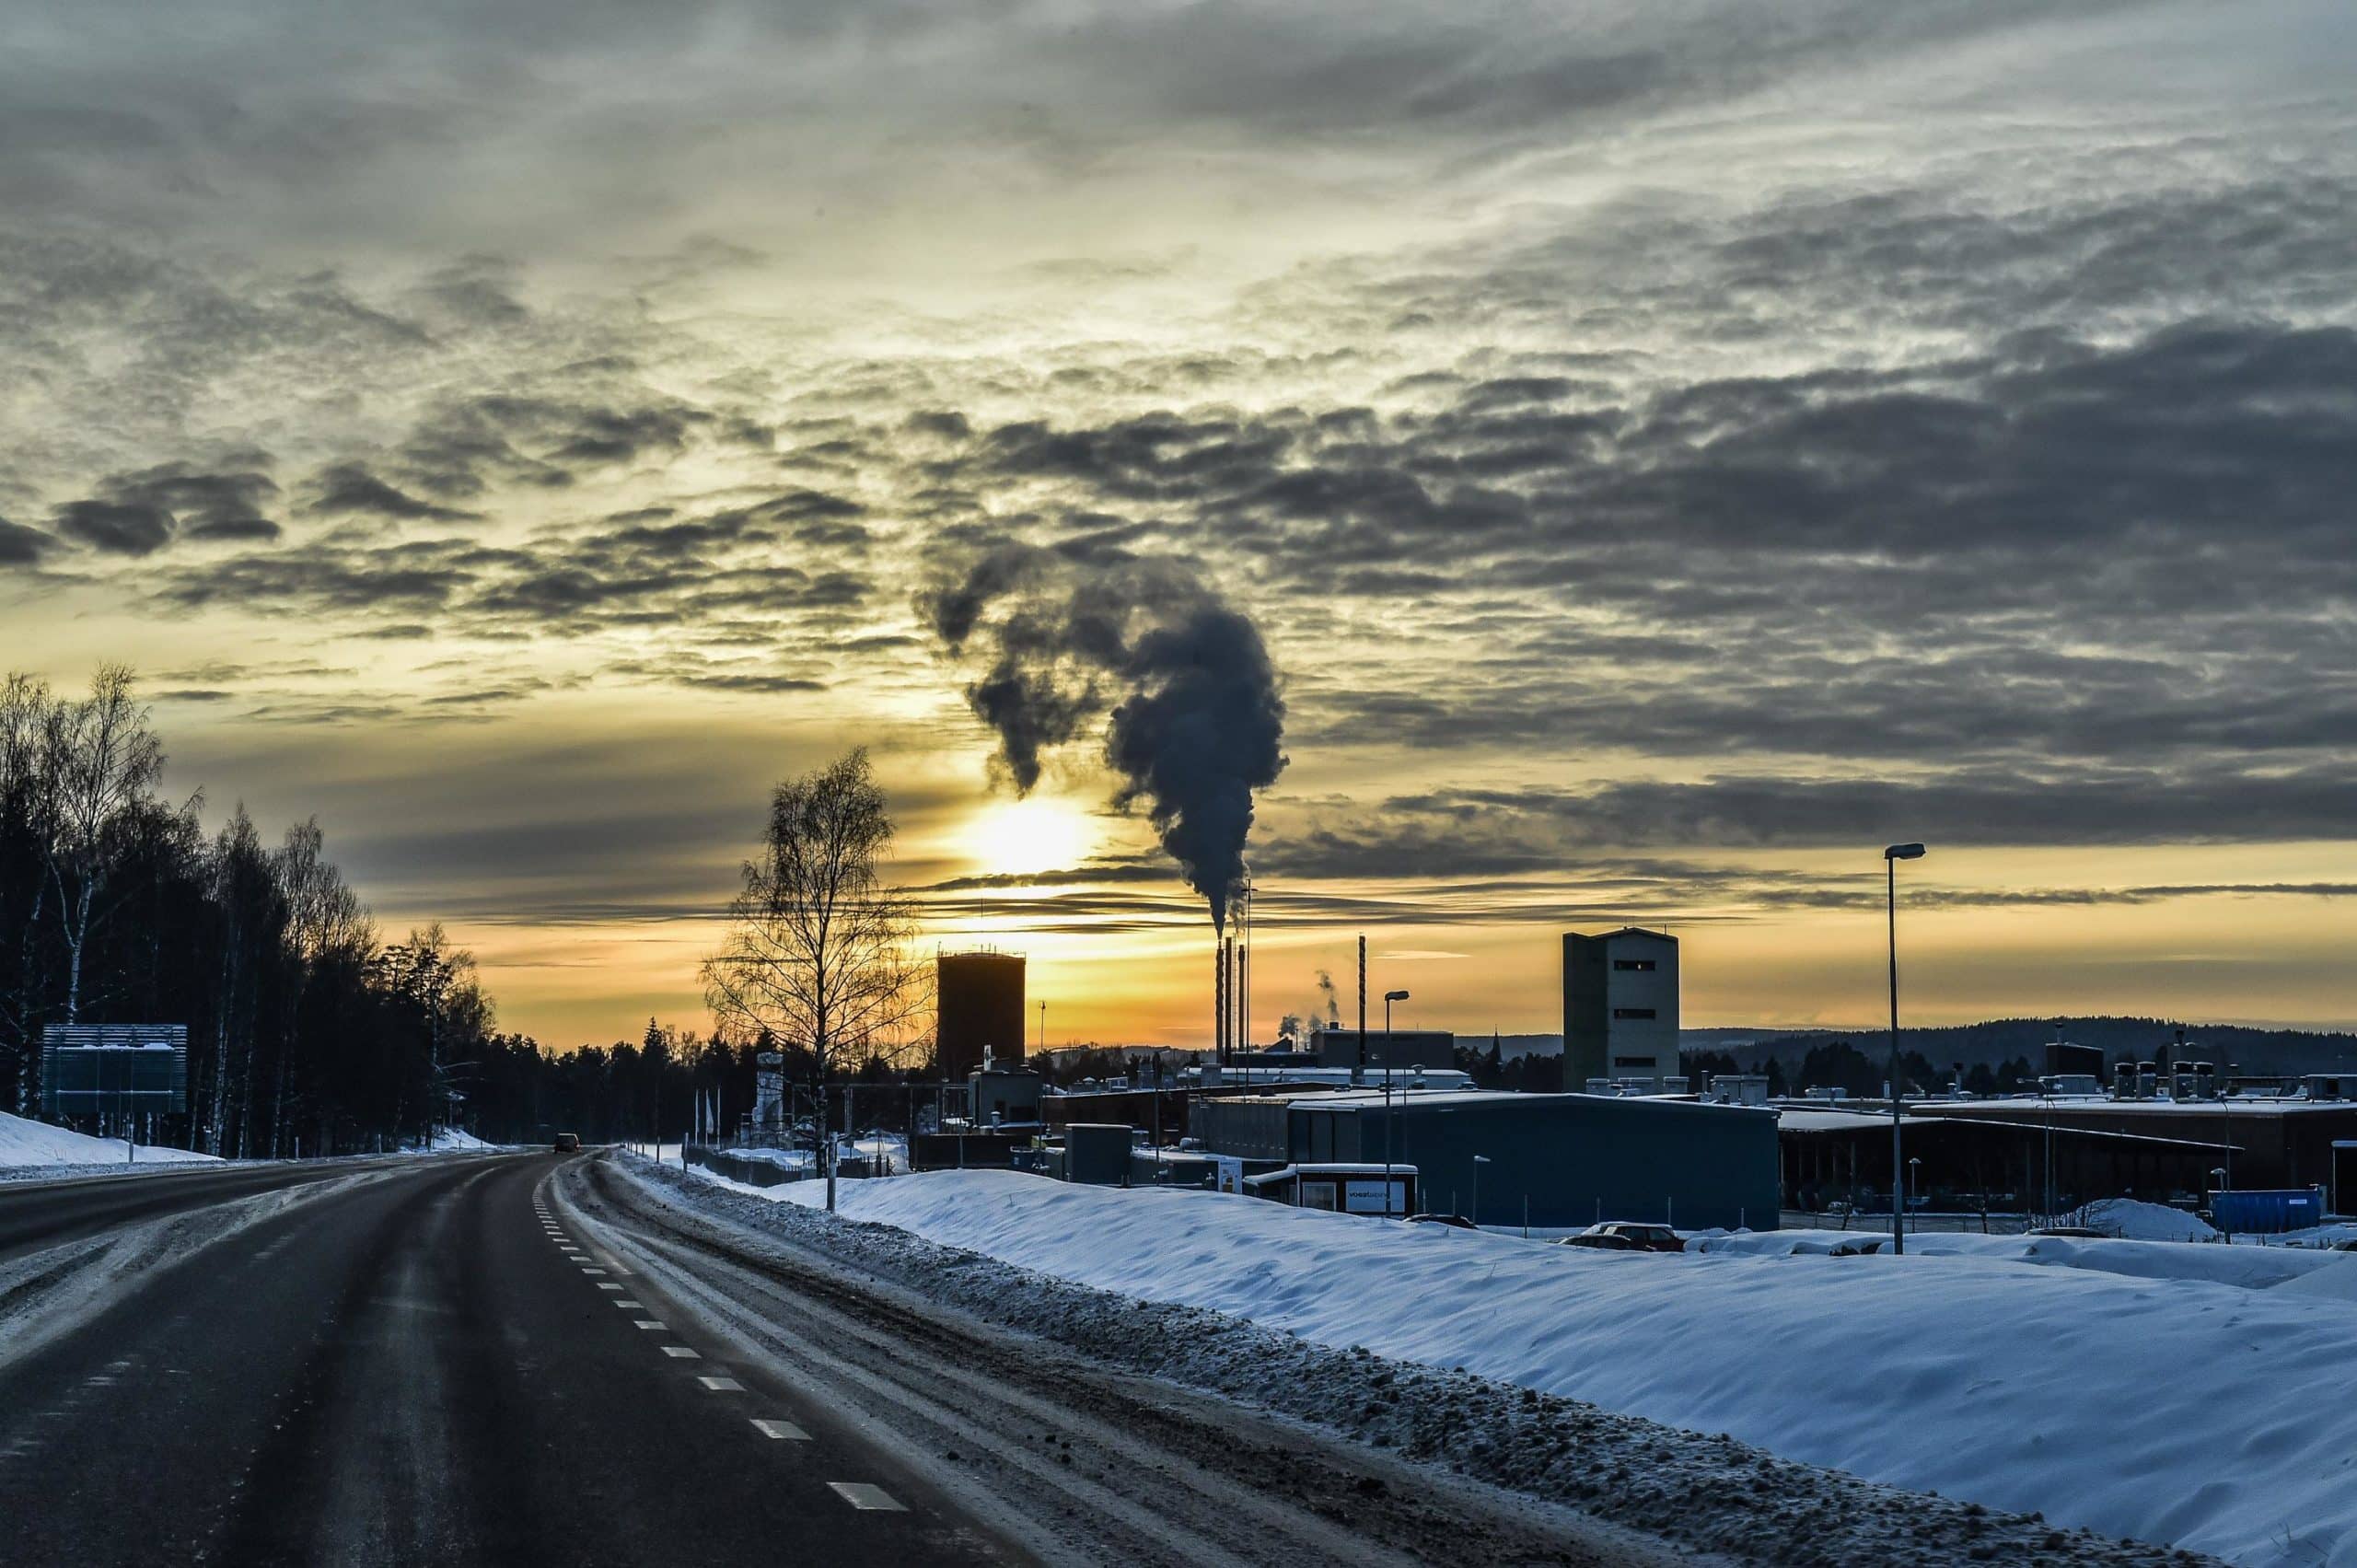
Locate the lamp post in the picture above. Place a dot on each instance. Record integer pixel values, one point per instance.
(1390, 1122)
(1890, 859)
(1915, 1185)
(1479, 1161)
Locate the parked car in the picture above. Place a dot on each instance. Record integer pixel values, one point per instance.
(568, 1143)
(1454, 1222)
(1628, 1236)
(2077, 1232)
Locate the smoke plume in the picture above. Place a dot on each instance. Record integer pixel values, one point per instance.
(1333, 1003)
(1192, 721)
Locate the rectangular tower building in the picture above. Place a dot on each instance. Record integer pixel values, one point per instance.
(1620, 1006)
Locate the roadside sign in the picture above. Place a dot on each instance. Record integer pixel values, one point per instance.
(113, 1070)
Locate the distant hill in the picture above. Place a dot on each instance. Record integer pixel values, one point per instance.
(2003, 1040)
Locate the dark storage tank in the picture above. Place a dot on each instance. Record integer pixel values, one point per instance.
(979, 999)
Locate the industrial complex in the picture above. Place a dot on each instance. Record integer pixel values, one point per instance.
(1383, 1122)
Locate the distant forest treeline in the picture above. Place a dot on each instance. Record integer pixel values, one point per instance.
(1995, 1044)
(309, 1032)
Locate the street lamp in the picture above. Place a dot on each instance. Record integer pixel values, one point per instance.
(1479, 1161)
(1890, 859)
(1390, 1122)
(1915, 1185)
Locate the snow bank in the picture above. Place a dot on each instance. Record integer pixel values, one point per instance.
(2196, 1410)
(31, 1145)
(2132, 1220)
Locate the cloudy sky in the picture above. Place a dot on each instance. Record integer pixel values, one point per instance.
(1668, 451)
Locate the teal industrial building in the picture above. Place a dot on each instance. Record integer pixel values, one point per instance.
(1573, 1159)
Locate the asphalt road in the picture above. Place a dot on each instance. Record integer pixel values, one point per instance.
(419, 1365)
(38, 1214)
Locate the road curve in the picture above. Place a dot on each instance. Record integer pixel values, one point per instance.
(1074, 1462)
(418, 1365)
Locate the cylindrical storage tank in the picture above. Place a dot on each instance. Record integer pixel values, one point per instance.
(978, 1001)
(1097, 1154)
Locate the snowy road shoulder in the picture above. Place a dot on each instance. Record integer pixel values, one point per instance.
(2216, 1416)
(33, 1151)
(1700, 1486)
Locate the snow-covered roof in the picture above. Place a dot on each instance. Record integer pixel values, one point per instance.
(1854, 1122)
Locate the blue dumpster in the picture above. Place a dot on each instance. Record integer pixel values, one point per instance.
(2263, 1213)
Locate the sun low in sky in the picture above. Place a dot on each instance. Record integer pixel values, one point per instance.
(1023, 838)
(1666, 452)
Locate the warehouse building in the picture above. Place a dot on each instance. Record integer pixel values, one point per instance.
(1573, 1159)
(2017, 1164)
(2262, 1141)
(1397, 1050)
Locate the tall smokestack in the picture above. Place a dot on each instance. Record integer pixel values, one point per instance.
(1244, 998)
(1363, 1002)
(1219, 999)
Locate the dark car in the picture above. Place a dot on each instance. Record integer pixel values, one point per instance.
(1627, 1235)
(568, 1143)
(1454, 1222)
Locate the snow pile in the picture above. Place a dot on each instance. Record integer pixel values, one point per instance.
(2250, 1267)
(2132, 1220)
(451, 1140)
(784, 1159)
(2134, 1403)
(28, 1145)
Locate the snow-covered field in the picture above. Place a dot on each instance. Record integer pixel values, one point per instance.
(36, 1148)
(2201, 1395)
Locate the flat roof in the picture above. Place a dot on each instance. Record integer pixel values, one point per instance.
(1353, 1099)
(1857, 1121)
(2035, 1105)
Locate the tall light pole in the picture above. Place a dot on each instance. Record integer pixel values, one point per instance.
(1390, 1122)
(1479, 1161)
(1890, 859)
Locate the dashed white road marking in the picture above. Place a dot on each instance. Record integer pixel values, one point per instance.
(866, 1497)
(589, 1271)
(624, 1300)
(610, 1285)
(784, 1430)
(722, 1385)
(682, 1353)
(649, 1324)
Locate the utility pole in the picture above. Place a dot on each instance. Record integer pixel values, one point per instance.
(1890, 858)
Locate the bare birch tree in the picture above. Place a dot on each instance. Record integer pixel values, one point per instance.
(102, 757)
(27, 817)
(818, 950)
(324, 918)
